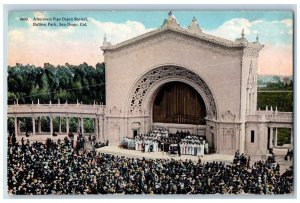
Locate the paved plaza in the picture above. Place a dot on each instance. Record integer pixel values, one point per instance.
(163, 155)
(228, 159)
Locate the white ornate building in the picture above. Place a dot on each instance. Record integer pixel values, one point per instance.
(222, 72)
(146, 74)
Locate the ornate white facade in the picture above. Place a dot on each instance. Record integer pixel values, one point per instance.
(223, 72)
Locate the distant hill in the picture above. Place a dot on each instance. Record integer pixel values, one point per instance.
(262, 80)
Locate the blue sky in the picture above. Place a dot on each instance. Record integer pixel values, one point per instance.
(208, 19)
(275, 29)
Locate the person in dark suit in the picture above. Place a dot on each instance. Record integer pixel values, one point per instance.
(151, 148)
(178, 149)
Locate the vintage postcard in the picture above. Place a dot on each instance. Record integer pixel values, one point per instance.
(150, 102)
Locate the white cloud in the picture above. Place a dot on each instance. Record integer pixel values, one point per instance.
(16, 35)
(287, 22)
(40, 14)
(270, 32)
(36, 45)
(232, 29)
(277, 55)
(30, 21)
(118, 32)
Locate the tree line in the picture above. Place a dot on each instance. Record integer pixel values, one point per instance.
(275, 84)
(67, 83)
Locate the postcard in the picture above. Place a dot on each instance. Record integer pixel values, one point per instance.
(150, 102)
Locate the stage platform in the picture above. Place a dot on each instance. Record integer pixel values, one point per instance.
(114, 150)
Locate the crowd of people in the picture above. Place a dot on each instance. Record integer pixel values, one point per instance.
(181, 142)
(59, 168)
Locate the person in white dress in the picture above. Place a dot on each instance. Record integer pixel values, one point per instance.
(136, 145)
(147, 144)
(206, 148)
(201, 149)
(181, 148)
(155, 146)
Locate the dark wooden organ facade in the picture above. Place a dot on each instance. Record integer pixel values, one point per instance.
(177, 102)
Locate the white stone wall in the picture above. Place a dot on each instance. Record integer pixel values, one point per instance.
(259, 146)
(228, 138)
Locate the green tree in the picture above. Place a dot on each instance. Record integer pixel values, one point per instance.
(67, 83)
(283, 100)
(88, 125)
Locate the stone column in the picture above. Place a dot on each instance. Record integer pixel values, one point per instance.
(96, 127)
(51, 125)
(78, 124)
(126, 126)
(19, 127)
(253, 103)
(242, 138)
(82, 126)
(144, 128)
(16, 126)
(67, 125)
(271, 138)
(100, 127)
(275, 142)
(103, 129)
(217, 139)
(39, 125)
(59, 121)
(248, 102)
(33, 126)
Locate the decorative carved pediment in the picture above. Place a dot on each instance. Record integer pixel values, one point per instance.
(228, 116)
(172, 29)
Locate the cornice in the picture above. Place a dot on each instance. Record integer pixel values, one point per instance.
(202, 37)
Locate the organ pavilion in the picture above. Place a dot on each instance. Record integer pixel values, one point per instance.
(184, 79)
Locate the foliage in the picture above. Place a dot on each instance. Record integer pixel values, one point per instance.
(55, 122)
(283, 100)
(66, 83)
(45, 126)
(11, 125)
(25, 124)
(279, 85)
(88, 125)
(283, 136)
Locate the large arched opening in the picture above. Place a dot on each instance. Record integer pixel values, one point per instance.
(145, 94)
(178, 102)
